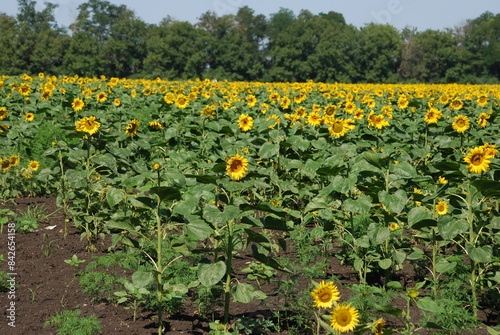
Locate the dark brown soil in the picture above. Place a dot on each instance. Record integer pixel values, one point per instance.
(47, 285)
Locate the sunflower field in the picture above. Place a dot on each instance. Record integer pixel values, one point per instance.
(381, 177)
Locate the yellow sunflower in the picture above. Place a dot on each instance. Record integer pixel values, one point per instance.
(461, 123)
(441, 207)
(132, 128)
(433, 115)
(325, 294)
(378, 327)
(237, 167)
(102, 96)
(314, 119)
(117, 102)
(344, 318)
(393, 226)
(154, 125)
(3, 113)
(77, 104)
(482, 120)
(456, 104)
(14, 160)
(245, 122)
(29, 117)
(5, 164)
(182, 101)
(377, 120)
(34, 165)
(442, 180)
(477, 160)
(490, 150)
(88, 125)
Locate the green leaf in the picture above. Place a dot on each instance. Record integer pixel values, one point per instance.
(363, 242)
(361, 205)
(211, 274)
(417, 214)
(378, 234)
(394, 285)
(344, 185)
(394, 203)
(480, 254)
(449, 227)
(243, 292)
(443, 266)
(416, 254)
(319, 202)
(389, 310)
(268, 150)
(106, 160)
(122, 224)
(166, 193)
(427, 304)
(489, 188)
(142, 279)
(114, 196)
(198, 229)
(385, 263)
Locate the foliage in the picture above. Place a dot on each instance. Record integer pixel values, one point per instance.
(70, 322)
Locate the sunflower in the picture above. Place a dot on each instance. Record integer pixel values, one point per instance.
(132, 128)
(154, 125)
(461, 123)
(325, 294)
(276, 121)
(490, 150)
(237, 167)
(102, 96)
(482, 120)
(442, 180)
(482, 100)
(378, 327)
(344, 318)
(477, 160)
(14, 160)
(314, 119)
(338, 128)
(3, 113)
(117, 102)
(456, 104)
(433, 115)
(377, 120)
(245, 122)
(29, 117)
(77, 104)
(88, 125)
(441, 207)
(358, 114)
(393, 226)
(182, 101)
(34, 165)
(5, 164)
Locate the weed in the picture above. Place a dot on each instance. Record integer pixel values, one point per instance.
(70, 322)
(30, 220)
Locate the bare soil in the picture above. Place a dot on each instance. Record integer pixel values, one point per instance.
(45, 285)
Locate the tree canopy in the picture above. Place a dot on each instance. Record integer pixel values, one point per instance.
(111, 40)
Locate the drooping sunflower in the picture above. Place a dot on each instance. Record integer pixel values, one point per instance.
(490, 150)
(482, 120)
(433, 115)
(477, 160)
(77, 104)
(34, 165)
(155, 125)
(377, 120)
(14, 160)
(29, 117)
(237, 167)
(461, 123)
(344, 318)
(3, 113)
(378, 327)
(245, 122)
(132, 128)
(325, 294)
(88, 125)
(5, 164)
(441, 207)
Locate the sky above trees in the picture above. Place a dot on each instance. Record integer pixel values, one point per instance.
(422, 14)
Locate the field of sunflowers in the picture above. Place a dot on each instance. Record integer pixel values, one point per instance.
(388, 176)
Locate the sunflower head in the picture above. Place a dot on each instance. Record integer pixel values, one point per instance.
(77, 104)
(88, 125)
(325, 294)
(29, 117)
(245, 122)
(344, 318)
(477, 160)
(461, 123)
(34, 165)
(378, 327)
(442, 207)
(237, 167)
(132, 128)
(155, 125)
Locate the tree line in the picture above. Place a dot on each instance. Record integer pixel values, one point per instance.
(111, 40)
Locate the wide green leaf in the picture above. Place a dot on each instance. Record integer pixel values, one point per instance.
(211, 274)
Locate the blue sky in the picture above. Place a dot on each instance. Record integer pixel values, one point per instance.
(420, 14)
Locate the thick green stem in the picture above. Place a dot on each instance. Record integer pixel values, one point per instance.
(472, 242)
(159, 268)
(229, 259)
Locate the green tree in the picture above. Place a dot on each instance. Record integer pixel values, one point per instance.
(10, 64)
